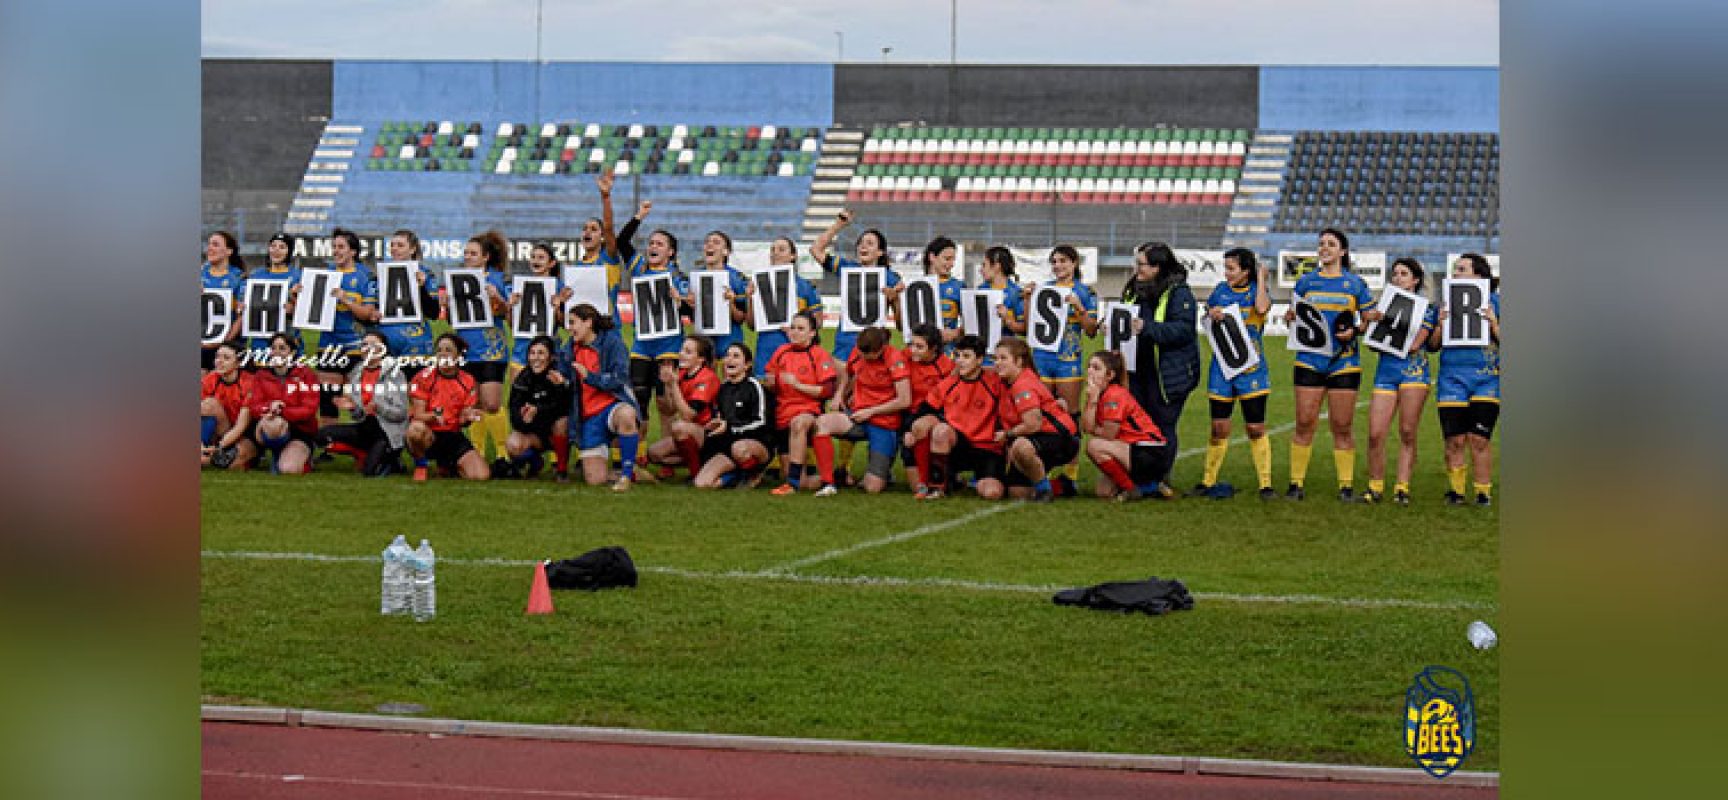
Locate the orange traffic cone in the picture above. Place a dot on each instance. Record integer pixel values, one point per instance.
(540, 596)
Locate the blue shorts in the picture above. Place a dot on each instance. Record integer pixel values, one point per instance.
(1394, 373)
(843, 345)
(1328, 366)
(596, 431)
(1052, 367)
(1464, 388)
(1253, 383)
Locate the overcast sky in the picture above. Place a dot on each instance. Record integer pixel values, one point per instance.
(1402, 32)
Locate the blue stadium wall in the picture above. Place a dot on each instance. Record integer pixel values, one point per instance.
(1439, 99)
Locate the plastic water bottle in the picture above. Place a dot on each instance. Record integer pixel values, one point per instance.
(1481, 635)
(425, 595)
(393, 593)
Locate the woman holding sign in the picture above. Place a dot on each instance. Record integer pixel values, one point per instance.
(1400, 390)
(411, 342)
(939, 257)
(997, 272)
(223, 270)
(543, 264)
(872, 251)
(488, 347)
(802, 376)
(1167, 342)
(1469, 391)
(602, 406)
(600, 248)
(716, 257)
(1060, 370)
(782, 253)
(1244, 287)
(356, 307)
(1126, 444)
(279, 254)
(657, 290)
(1336, 301)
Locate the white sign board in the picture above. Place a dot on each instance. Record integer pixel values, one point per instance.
(1047, 317)
(774, 300)
(470, 306)
(979, 315)
(712, 311)
(316, 309)
(861, 302)
(1464, 300)
(217, 315)
(1309, 332)
(656, 307)
(399, 292)
(533, 298)
(1232, 344)
(266, 308)
(1393, 333)
(1118, 322)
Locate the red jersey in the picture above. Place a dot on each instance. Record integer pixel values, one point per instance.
(233, 396)
(445, 396)
(1119, 406)
(595, 400)
(971, 407)
(811, 366)
(873, 381)
(926, 374)
(699, 389)
(1029, 393)
(298, 391)
(369, 384)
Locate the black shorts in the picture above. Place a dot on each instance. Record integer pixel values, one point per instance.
(295, 434)
(1337, 380)
(981, 463)
(1253, 409)
(1053, 449)
(1479, 418)
(1149, 463)
(448, 448)
(486, 371)
(645, 375)
(722, 445)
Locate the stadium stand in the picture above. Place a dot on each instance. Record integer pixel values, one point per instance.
(570, 147)
(1381, 182)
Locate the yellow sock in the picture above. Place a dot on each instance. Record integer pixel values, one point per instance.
(843, 454)
(1261, 449)
(1402, 487)
(1455, 476)
(1485, 488)
(1216, 449)
(498, 424)
(1299, 454)
(1377, 487)
(1345, 461)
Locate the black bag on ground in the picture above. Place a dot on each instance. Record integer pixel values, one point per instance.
(604, 568)
(1150, 596)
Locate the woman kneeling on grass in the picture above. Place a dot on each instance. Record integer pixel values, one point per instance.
(926, 366)
(539, 412)
(603, 408)
(444, 401)
(376, 398)
(1040, 435)
(285, 403)
(1126, 444)
(802, 375)
(736, 439)
(690, 391)
(876, 396)
(224, 418)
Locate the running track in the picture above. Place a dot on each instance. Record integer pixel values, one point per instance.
(244, 760)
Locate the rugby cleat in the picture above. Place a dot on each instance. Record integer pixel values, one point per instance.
(1371, 497)
(622, 485)
(1454, 498)
(934, 494)
(1044, 496)
(1295, 492)
(1201, 489)
(1268, 493)
(827, 490)
(1483, 500)
(1401, 498)
(784, 489)
(419, 474)
(1346, 495)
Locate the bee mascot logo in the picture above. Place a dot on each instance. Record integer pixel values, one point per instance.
(1439, 720)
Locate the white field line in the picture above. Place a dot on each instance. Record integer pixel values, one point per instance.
(882, 581)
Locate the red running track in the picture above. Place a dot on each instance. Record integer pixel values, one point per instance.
(273, 761)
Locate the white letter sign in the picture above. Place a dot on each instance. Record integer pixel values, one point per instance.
(399, 292)
(979, 317)
(773, 301)
(532, 315)
(1232, 343)
(861, 302)
(316, 309)
(713, 314)
(656, 310)
(1392, 334)
(266, 308)
(1119, 332)
(1309, 332)
(1465, 326)
(1048, 315)
(920, 304)
(469, 305)
(217, 315)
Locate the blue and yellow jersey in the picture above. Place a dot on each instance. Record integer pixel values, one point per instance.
(666, 347)
(491, 343)
(1412, 370)
(1088, 310)
(807, 299)
(228, 278)
(1473, 360)
(1226, 295)
(735, 281)
(948, 295)
(1345, 292)
(273, 272)
(519, 347)
(843, 340)
(357, 288)
(413, 338)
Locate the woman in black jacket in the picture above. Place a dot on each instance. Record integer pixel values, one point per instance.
(539, 413)
(736, 446)
(1168, 352)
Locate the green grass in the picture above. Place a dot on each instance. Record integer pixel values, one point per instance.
(957, 652)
